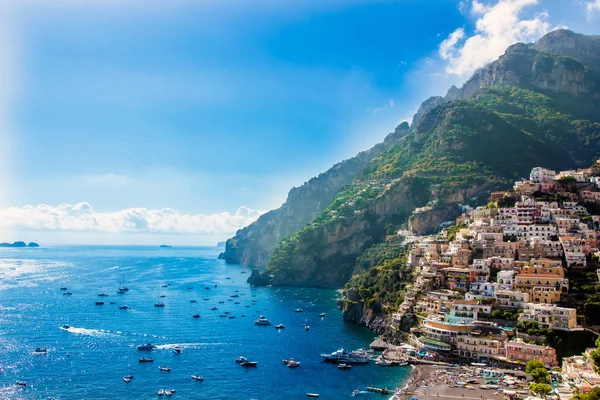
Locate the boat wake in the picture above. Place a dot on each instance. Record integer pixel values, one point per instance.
(197, 345)
(91, 332)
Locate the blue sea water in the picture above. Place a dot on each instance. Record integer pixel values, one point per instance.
(89, 359)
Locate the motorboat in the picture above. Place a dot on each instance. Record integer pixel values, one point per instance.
(177, 349)
(197, 378)
(241, 359)
(129, 377)
(244, 315)
(312, 394)
(159, 304)
(214, 308)
(66, 326)
(21, 383)
(322, 314)
(99, 303)
(168, 392)
(306, 327)
(298, 310)
(67, 293)
(146, 360)
(127, 380)
(123, 307)
(196, 316)
(227, 312)
(344, 366)
(248, 364)
(293, 364)
(355, 392)
(231, 316)
(346, 357)
(262, 320)
(221, 302)
(164, 285)
(120, 291)
(280, 326)
(223, 315)
(63, 288)
(164, 369)
(162, 296)
(40, 350)
(383, 362)
(147, 347)
(161, 392)
(403, 364)
(193, 301)
(235, 295)
(102, 295)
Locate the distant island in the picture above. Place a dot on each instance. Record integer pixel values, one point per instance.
(165, 246)
(221, 244)
(19, 244)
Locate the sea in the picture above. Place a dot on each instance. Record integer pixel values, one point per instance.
(89, 359)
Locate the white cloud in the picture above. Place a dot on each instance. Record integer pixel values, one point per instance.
(592, 6)
(81, 217)
(498, 26)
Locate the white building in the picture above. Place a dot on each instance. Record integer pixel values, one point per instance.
(541, 175)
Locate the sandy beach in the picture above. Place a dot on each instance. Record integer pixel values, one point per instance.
(433, 382)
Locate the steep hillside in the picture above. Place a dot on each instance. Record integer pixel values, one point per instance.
(529, 108)
(252, 245)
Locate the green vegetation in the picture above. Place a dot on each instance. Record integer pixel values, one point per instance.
(383, 283)
(538, 372)
(594, 394)
(543, 389)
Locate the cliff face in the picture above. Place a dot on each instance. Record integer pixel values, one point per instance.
(253, 244)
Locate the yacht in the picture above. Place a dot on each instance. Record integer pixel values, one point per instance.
(231, 316)
(126, 379)
(66, 326)
(280, 326)
(241, 359)
(122, 286)
(383, 362)
(102, 295)
(40, 350)
(161, 392)
(67, 293)
(196, 316)
(63, 288)
(197, 378)
(21, 383)
(322, 314)
(164, 369)
(177, 349)
(168, 392)
(306, 327)
(343, 356)
(147, 346)
(99, 303)
(312, 394)
(146, 360)
(163, 296)
(123, 307)
(298, 310)
(249, 364)
(193, 301)
(129, 377)
(164, 285)
(214, 308)
(262, 321)
(293, 364)
(159, 304)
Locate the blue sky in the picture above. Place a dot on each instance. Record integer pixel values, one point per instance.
(203, 107)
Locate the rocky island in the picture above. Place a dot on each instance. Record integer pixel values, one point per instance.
(19, 244)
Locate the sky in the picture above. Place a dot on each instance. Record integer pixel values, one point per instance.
(148, 122)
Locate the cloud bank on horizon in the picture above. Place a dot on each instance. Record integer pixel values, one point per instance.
(81, 217)
(497, 27)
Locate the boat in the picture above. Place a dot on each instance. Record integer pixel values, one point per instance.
(223, 315)
(280, 326)
(377, 390)
(162, 296)
(102, 295)
(21, 383)
(164, 369)
(168, 392)
(147, 347)
(164, 285)
(129, 376)
(177, 349)
(161, 392)
(122, 286)
(66, 326)
(355, 392)
(146, 360)
(113, 302)
(206, 287)
(235, 295)
(221, 302)
(244, 315)
(193, 301)
(40, 350)
(127, 380)
(298, 310)
(196, 316)
(231, 316)
(293, 364)
(214, 308)
(241, 359)
(248, 364)
(159, 304)
(63, 288)
(383, 362)
(312, 394)
(403, 364)
(123, 307)
(306, 327)
(197, 378)
(322, 314)
(262, 321)
(343, 356)
(344, 366)
(99, 303)
(67, 293)
(120, 292)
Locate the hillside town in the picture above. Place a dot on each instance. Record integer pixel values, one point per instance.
(494, 287)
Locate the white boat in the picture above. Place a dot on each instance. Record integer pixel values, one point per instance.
(197, 378)
(343, 356)
(169, 392)
(344, 366)
(262, 321)
(146, 347)
(126, 379)
(164, 369)
(161, 392)
(312, 394)
(383, 362)
(280, 326)
(241, 359)
(293, 364)
(177, 349)
(306, 327)
(298, 310)
(322, 314)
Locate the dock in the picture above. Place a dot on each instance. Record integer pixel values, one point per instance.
(379, 345)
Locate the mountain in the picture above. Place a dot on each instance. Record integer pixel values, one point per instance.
(253, 244)
(19, 244)
(537, 105)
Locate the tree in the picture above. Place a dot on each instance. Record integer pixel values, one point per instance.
(533, 364)
(541, 388)
(594, 394)
(538, 372)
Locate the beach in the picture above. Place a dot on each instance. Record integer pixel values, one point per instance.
(434, 382)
